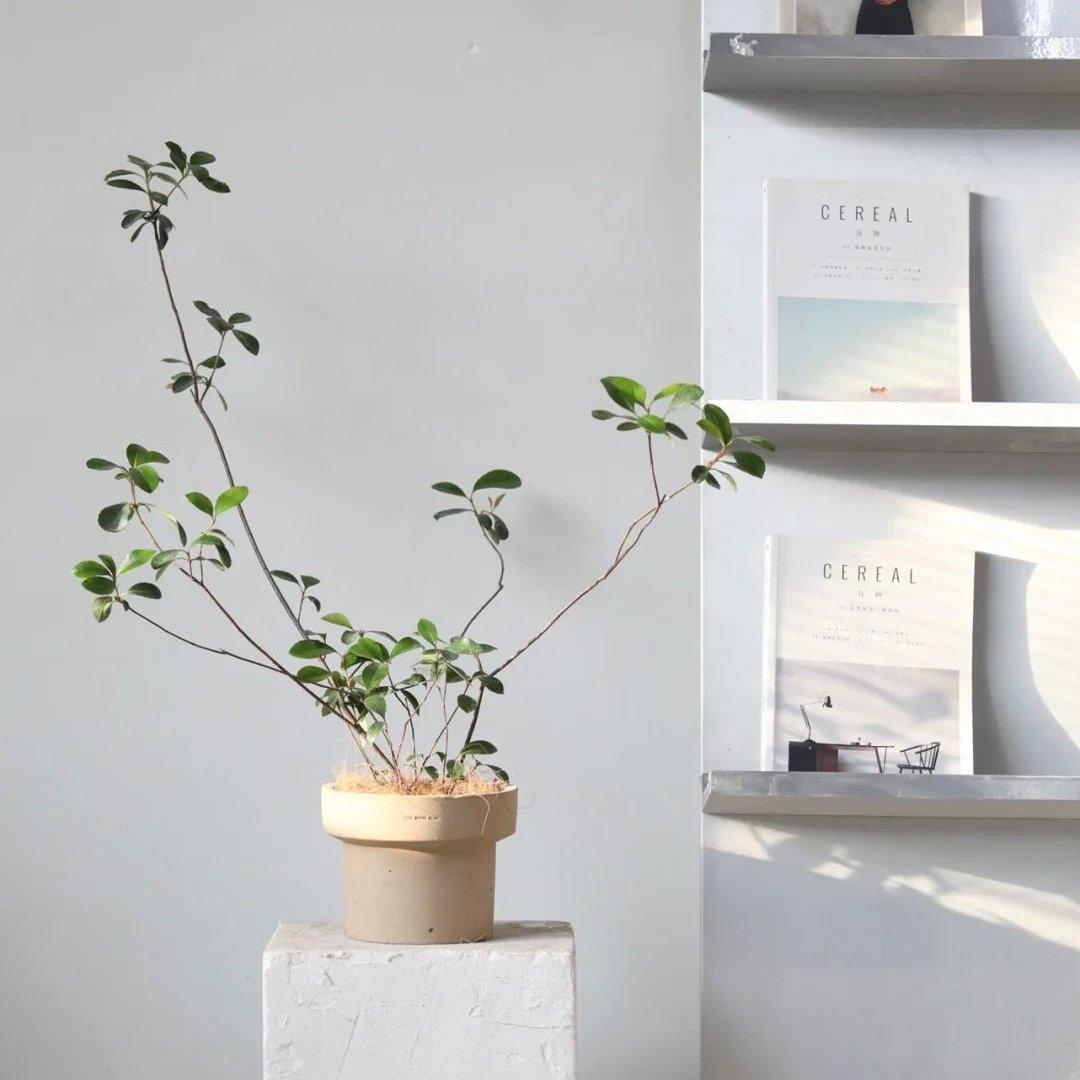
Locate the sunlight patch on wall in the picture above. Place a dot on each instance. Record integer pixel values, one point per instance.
(1048, 916)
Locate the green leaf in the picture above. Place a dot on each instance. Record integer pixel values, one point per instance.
(145, 477)
(728, 477)
(627, 425)
(161, 560)
(715, 415)
(680, 394)
(498, 478)
(130, 217)
(209, 182)
(206, 309)
(249, 341)
(449, 488)
(101, 464)
(284, 575)
(674, 429)
(748, 462)
(478, 746)
(426, 629)
(602, 414)
(146, 590)
(238, 317)
(229, 498)
(403, 645)
(308, 581)
(101, 586)
(181, 383)
(120, 172)
(138, 161)
(492, 683)
(502, 774)
(138, 557)
(127, 185)
(338, 619)
(201, 502)
(698, 474)
(202, 157)
(651, 423)
(101, 607)
(711, 480)
(712, 431)
(142, 456)
(440, 514)
(212, 363)
(88, 568)
(625, 392)
(759, 440)
(311, 674)
(374, 675)
(466, 703)
(310, 649)
(376, 703)
(114, 518)
(370, 649)
(177, 156)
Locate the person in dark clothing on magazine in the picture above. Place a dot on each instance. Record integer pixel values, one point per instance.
(884, 17)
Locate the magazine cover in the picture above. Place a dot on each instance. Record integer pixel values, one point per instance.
(867, 657)
(944, 17)
(866, 291)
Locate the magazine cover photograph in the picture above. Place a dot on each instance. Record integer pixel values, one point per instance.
(867, 657)
(866, 291)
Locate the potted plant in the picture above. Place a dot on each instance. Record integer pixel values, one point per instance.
(421, 813)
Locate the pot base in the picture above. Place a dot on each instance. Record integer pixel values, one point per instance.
(419, 894)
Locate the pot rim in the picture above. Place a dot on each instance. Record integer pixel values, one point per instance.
(398, 817)
(330, 786)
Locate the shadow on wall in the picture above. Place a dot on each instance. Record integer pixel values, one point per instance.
(1003, 741)
(876, 948)
(1042, 373)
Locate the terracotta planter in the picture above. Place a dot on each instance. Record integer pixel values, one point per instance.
(419, 868)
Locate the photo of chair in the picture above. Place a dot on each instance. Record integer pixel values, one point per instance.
(919, 759)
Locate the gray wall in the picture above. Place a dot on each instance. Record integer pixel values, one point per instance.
(444, 249)
(871, 934)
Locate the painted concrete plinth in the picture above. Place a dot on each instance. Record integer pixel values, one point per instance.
(338, 1009)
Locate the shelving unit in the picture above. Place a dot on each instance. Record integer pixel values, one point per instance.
(752, 63)
(874, 795)
(975, 427)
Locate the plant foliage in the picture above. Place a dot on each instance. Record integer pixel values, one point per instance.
(410, 700)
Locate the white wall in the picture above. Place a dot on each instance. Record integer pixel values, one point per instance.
(809, 968)
(444, 249)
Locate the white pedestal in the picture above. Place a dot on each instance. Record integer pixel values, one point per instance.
(338, 1009)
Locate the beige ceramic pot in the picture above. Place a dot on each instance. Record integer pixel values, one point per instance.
(419, 868)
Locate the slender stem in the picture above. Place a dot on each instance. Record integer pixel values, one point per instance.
(502, 571)
(475, 716)
(631, 538)
(217, 440)
(652, 469)
(199, 645)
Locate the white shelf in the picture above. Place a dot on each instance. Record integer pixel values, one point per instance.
(890, 795)
(742, 62)
(977, 427)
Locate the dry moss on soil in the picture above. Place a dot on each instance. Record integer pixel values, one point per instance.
(365, 783)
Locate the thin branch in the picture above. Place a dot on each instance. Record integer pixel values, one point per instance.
(199, 645)
(631, 538)
(217, 439)
(652, 469)
(502, 572)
